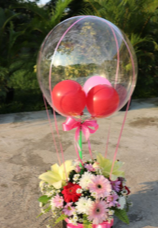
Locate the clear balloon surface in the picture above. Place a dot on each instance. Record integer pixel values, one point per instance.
(92, 52)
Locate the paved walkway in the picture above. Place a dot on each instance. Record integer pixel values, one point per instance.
(27, 150)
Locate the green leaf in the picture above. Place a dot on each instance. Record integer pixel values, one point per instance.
(43, 199)
(47, 209)
(61, 218)
(86, 222)
(122, 215)
(87, 225)
(39, 215)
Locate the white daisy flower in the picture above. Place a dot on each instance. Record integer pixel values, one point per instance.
(79, 190)
(76, 177)
(49, 193)
(122, 202)
(85, 180)
(73, 221)
(111, 212)
(75, 217)
(52, 204)
(80, 220)
(84, 204)
(94, 194)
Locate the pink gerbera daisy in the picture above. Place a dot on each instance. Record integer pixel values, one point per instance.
(68, 209)
(100, 185)
(89, 167)
(97, 213)
(58, 201)
(112, 200)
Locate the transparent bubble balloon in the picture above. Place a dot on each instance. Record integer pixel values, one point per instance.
(86, 67)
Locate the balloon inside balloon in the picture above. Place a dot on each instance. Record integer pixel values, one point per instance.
(93, 81)
(93, 52)
(68, 98)
(102, 101)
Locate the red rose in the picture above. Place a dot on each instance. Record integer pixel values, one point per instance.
(70, 193)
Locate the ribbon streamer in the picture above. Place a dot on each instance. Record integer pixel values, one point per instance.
(85, 127)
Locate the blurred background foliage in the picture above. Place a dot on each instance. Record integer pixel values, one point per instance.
(24, 25)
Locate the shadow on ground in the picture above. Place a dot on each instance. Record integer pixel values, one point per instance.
(144, 210)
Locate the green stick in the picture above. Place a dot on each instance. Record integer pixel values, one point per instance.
(80, 145)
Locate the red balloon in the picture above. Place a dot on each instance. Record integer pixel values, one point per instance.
(68, 98)
(102, 101)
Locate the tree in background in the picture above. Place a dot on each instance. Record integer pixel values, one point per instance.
(24, 25)
(8, 56)
(139, 21)
(20, 43)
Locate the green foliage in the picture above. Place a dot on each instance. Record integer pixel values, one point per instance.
(43, 199)
(86, 223)
(8, 38)
(60, 219)
(122, 215)
(24, 25)
(139, 20)
(47, 209)
(3, 81)
(39, 215)
(23, 80)
(44, 211)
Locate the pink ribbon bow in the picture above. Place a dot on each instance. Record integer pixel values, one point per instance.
(85, 127)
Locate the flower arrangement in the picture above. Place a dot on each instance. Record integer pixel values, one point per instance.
(85, 194)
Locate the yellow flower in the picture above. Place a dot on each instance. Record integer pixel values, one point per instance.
(58, 174)
(106, 164)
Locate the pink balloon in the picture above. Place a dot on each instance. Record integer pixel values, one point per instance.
(94, 81)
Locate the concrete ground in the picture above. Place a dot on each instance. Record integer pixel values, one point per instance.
(27, 150)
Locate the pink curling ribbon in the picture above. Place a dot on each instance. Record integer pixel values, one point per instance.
(105, 224)
(85, 127)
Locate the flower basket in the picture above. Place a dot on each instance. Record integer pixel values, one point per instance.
(106, 224)
(85, 195)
